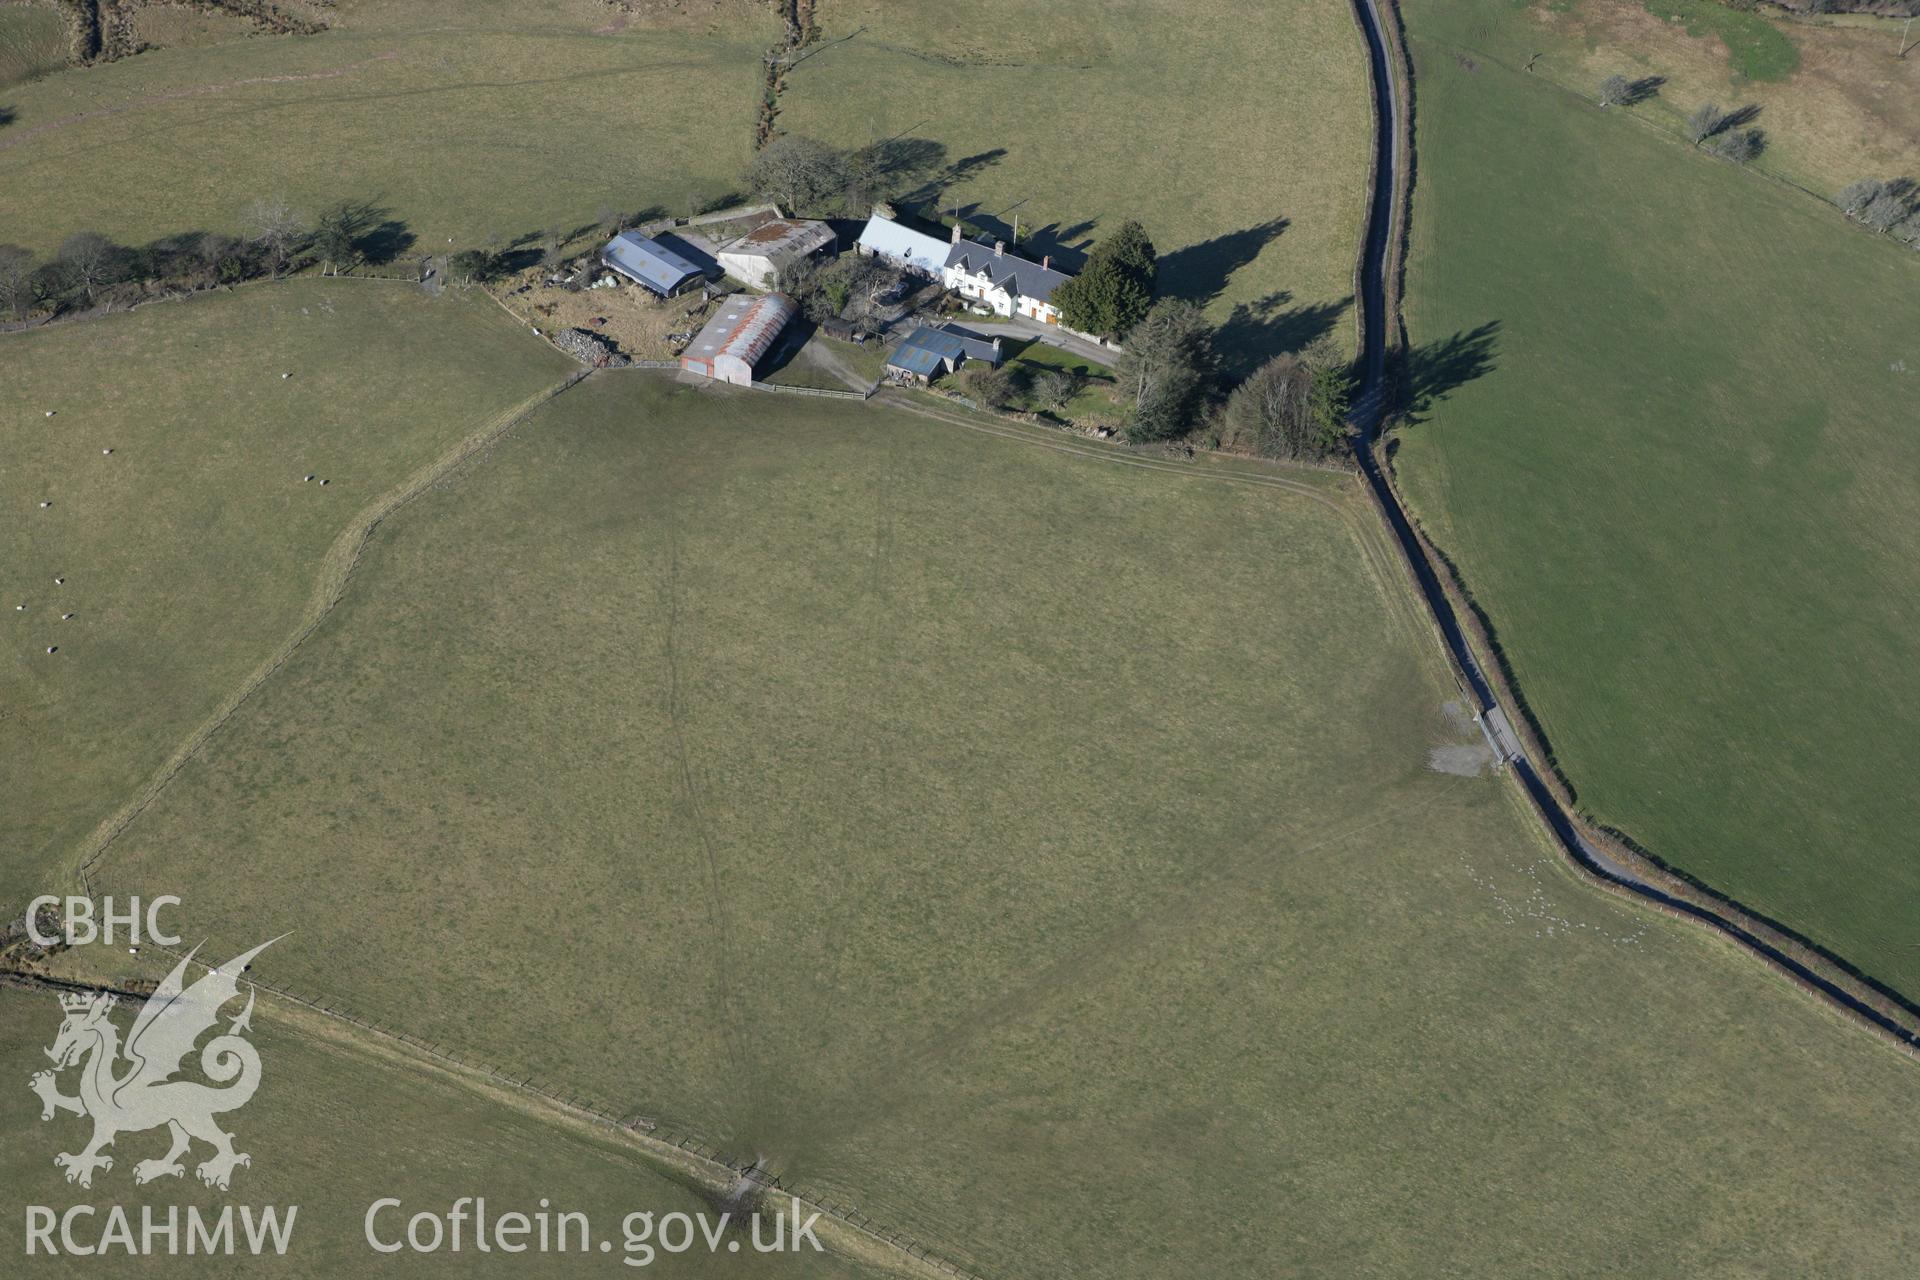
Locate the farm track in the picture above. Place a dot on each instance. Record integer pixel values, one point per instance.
(1616, 871)
(336, 574)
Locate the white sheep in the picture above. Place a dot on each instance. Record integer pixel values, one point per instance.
(53, 648)
(105, 452)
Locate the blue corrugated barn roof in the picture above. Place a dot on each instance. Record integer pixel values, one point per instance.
(926, 351)
(648, 261)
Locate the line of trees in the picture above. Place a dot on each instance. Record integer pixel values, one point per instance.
(1890, 207)
(1294, 406)
(91, 269)
(808, 177)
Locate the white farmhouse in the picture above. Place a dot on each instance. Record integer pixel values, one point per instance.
(1010, 285)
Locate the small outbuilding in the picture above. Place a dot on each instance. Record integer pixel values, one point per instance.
(925, 356)
(646, 261)
(758, 257)
(738, 337)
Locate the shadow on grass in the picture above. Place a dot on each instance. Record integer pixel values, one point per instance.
(1643, 90)
(1257, 331)
(956, 173)
(1199, 272)
(1435, 370)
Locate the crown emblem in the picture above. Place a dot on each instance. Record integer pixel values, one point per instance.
(81, 1001)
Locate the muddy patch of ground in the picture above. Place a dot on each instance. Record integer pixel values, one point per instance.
(1467, 755)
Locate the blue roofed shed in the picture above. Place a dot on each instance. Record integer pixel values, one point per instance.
(646, 261)
(925, 355)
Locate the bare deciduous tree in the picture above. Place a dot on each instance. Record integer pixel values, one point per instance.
(1740, 145)
(799, 174)
(16, 279)
(1052, 389)
(1707, 119)
(1615, 91)
(89, 256)
(277, 228)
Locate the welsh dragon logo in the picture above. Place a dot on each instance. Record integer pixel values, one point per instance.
(130, 1088)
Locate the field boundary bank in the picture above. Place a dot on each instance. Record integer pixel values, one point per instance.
(335, 575)
(659, 1142)
(93, 314)
(1599, 855)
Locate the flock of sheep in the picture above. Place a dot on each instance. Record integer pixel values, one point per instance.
(60, 579)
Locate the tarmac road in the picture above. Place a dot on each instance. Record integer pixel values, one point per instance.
(1369, 411)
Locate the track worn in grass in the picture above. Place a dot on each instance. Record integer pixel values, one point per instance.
(332, 1130)
(1037, 853)
(189, 551)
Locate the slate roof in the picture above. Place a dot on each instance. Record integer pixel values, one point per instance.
(903, 244)
(1017, 276)
(648, 261)
(976, 346)
(926, 352)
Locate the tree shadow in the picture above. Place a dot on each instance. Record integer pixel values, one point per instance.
(1737, 118)
(1434, 371)
(1200, 272)
(7, 116)
(900, 166)
(1255, 332)
(1642, 90)
(956, 173)
(1067, 245)
(383, 242)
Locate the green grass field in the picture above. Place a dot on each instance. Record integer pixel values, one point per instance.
(33, 41)
(1245, 132)
(1756, 48)
(333, 1130)
(1031, 847)
(1682, 488)
(465, 118)
(191, 550)
(1096, 401)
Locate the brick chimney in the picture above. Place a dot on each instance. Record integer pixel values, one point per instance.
(999, 248)
(956, 233)
(1046, 263)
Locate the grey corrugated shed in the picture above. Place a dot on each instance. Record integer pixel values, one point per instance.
(647, 261)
